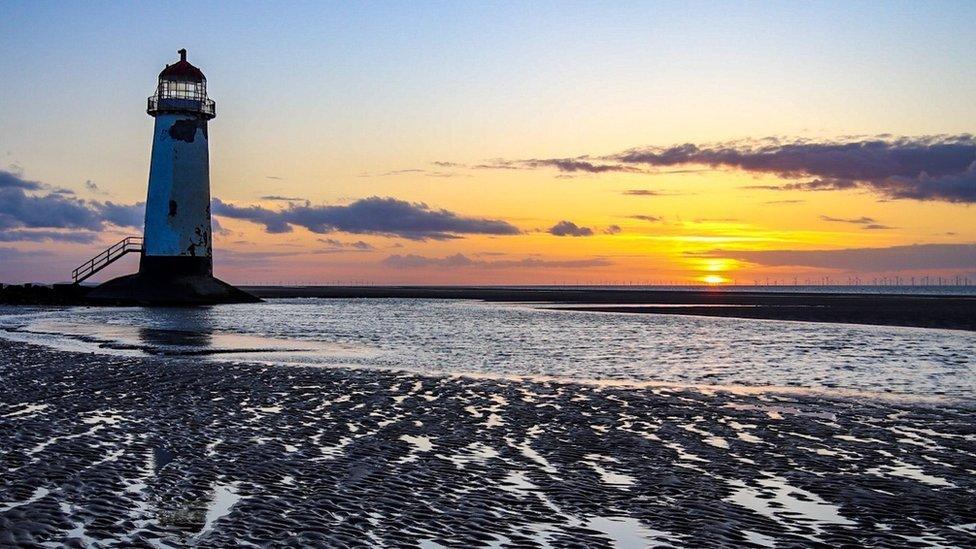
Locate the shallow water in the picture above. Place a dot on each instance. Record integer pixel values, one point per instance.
(468, 337)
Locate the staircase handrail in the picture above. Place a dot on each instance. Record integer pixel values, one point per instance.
(106, 257)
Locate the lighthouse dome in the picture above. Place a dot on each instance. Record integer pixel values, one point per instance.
(182, 71)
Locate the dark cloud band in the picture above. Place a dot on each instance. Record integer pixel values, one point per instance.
(939, 167)
(411, 261)
(22, 206)
(374, 215)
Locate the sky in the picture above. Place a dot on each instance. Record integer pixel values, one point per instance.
(508, 143)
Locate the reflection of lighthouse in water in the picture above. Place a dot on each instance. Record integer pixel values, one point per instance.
(176, 263)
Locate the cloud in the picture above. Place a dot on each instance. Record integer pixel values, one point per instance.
(568, 228)
(412, 261)
(273, 221)
(644, 192)
(218, 228)
(21, 235)
(373, 215)
(895, 258)
(855, 221)
(359, 245)
(784, 202)
(939, 167)
(868, 223)
(498, 165)
(581, 164)
(612, 229)
(649, 218)
(280, 198)
(575, 165)
(422, 171)
(921, 168)
(12, 180)
(123, 215)
(11, 255)
(91, 186)
(20, 209)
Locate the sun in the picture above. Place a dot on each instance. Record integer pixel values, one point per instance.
(714, 279)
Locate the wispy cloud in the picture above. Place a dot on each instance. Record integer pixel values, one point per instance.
(425, 172)
(374, 215)
(358, 245)
(643, 192)
(412, 261)
(580, 164)
(895, 258)
(25, 235)
(867, 223)
(648, 218)
(279, 198)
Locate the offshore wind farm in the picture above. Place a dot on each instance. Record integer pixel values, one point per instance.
(630, 275)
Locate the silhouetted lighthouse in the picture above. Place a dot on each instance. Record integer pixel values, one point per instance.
(176, 262)
(177, 237)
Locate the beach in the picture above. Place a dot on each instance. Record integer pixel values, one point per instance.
(164, 451)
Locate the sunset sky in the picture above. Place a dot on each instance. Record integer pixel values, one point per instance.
(507, 143)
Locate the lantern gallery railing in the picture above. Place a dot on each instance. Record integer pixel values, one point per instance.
(157, 104)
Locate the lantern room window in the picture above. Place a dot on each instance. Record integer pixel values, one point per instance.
(169, 89)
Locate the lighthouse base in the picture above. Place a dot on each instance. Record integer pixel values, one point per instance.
(176, 291)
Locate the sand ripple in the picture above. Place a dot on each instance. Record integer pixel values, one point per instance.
(143, 452)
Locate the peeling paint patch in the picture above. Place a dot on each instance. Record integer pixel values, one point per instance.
(186, 130)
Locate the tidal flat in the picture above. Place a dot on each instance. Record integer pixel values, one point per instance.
(101, 450)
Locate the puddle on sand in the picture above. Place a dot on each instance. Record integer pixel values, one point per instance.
(39, 493)
(28, 410)
(420, 444)
(776, 498)
(224, 498)
(907, 470)
(627, 532)
(607, 476)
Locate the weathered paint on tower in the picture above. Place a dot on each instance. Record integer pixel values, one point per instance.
(178, 205)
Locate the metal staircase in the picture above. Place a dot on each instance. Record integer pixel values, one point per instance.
(106, 258)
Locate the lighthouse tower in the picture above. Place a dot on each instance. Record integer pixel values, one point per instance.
(176, 262)
(177, 238)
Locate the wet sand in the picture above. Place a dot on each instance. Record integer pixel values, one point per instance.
(924, 311)
(169, 452)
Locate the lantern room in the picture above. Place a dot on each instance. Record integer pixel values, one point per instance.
(182, 89)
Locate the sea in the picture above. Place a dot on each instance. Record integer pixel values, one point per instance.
(526, 340)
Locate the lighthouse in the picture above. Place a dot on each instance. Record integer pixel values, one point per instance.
(177, 239)
(176, 253)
